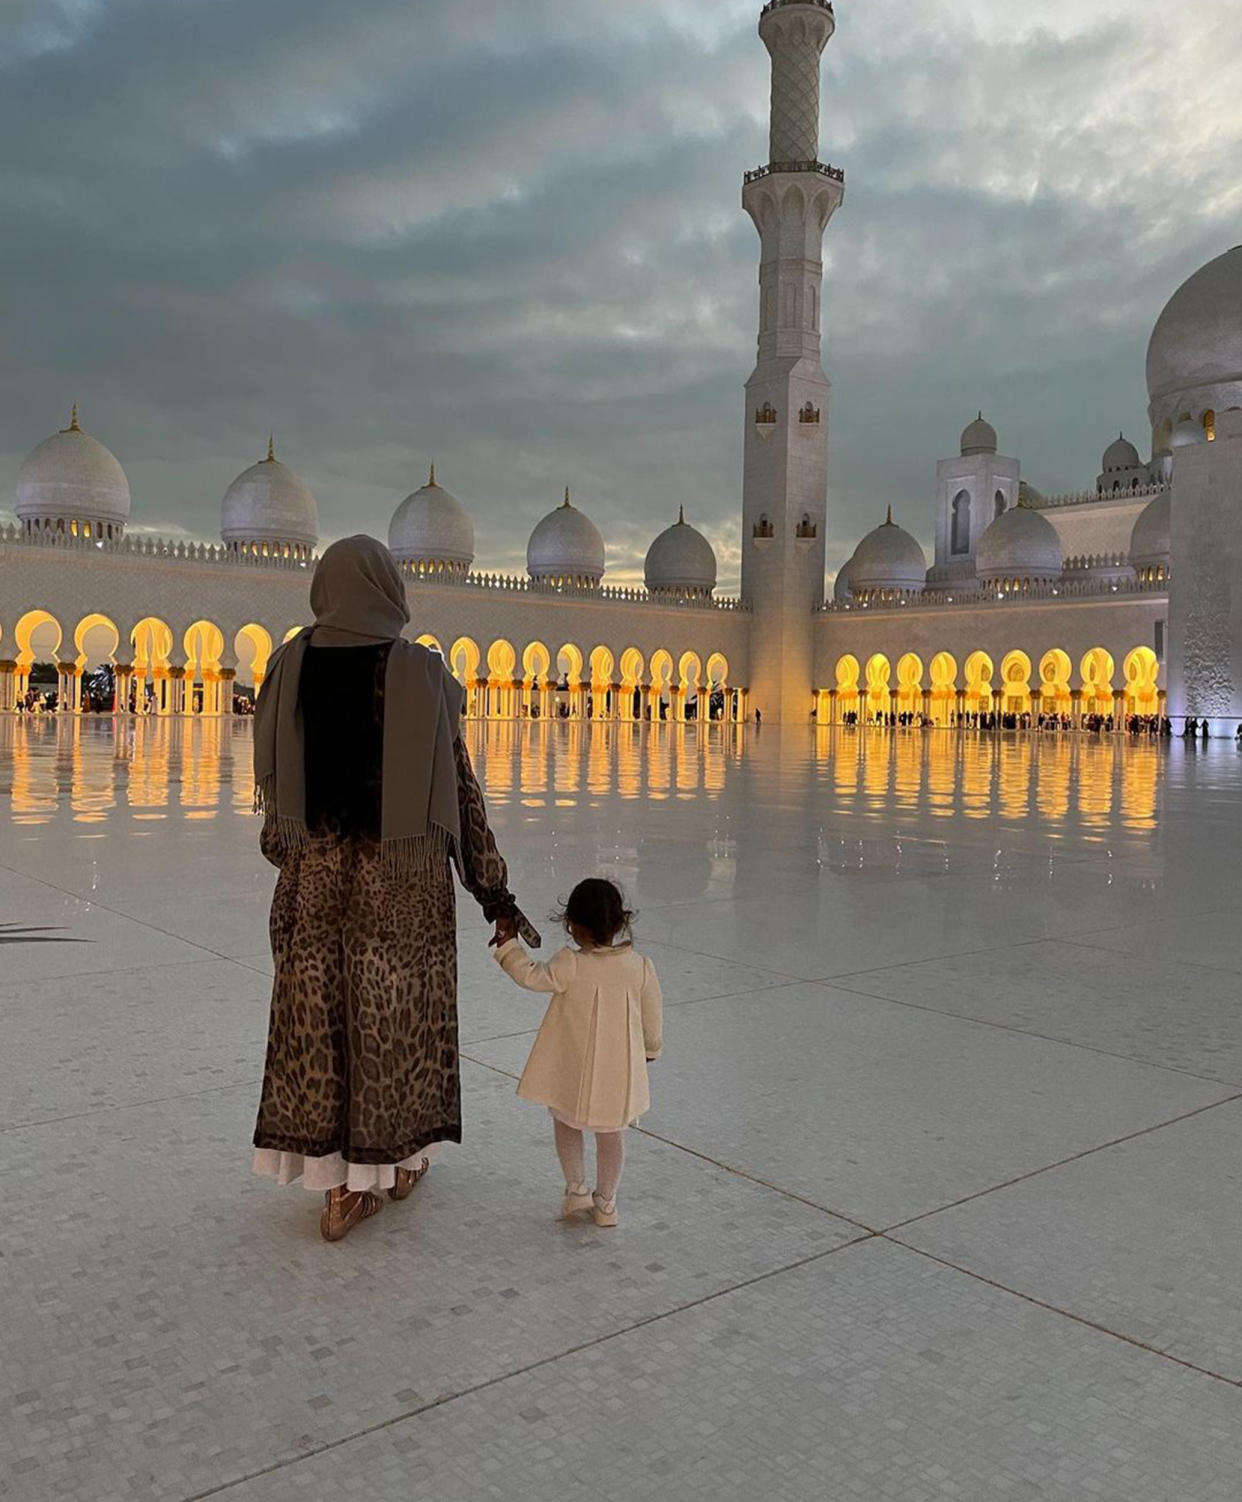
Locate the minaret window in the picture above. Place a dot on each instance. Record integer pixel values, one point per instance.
(960, 540)
(763, 527)
(809, 413)
(766, 413)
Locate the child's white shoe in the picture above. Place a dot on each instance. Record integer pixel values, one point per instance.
(604, 1212)
(577, 1199)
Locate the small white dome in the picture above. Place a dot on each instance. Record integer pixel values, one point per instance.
(1186, 433)
(1150, 541)
(1021, 544)
(680, 561)
(73, 477)
(978, 437)
(566, 546)
(1194, 359)
(888, 559)
(1121, 454)
(841, 589)
(431, 526)
(269, 503)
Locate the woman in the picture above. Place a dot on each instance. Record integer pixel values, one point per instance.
(368, 795)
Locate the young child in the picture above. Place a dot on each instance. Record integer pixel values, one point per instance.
(602, 1028)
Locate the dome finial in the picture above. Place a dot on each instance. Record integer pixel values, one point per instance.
(681, 516)
(888, 520)
(565, 502)
(271, 449)
(431, 478)
(73, 421)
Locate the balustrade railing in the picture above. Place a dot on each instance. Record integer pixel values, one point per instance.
(822, 168)
(215, 555)
(1092, 497)
(985, 596)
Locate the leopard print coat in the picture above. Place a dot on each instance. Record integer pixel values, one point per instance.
(362, 1043)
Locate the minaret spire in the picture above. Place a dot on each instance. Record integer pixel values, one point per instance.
(784, 488)
(271, 449)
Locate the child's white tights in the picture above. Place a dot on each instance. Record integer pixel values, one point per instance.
(609, 1158)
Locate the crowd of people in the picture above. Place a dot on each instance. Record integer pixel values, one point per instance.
(1154, 726)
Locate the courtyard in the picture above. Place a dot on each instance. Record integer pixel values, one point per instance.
(939, 1196)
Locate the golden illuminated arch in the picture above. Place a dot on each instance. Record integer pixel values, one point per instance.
(631, 667)
(1016, 683)
(662, 669)
(96, 638)
(203, 644)
(978, 670)
(252, 646)
(690, 670)
(1096, 672)
(943, 670)
(602, 666)
(847, 672)
(291, 633)
(152, 641)
(910, 683)
(1141, 669)
(463, 659)
(46, 627)
(879, 672)
(536, 663)
(1054, 681)
(501, 661)
(569, 662)
(717, 671)
(430, 641)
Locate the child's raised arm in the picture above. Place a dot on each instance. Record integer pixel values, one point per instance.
(534, 975)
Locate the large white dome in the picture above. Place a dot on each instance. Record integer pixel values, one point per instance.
(680, 561)
(842, 588)
(268, 503)
(72, 477)
(431, 526)
(888, 560)
(978, 437)
(1194, 360)
(1150, 541)
(1019, 544)
(566, 547)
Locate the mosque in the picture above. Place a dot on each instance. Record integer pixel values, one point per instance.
(1123, 598)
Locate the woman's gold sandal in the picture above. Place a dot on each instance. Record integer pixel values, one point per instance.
(343, 1209)
(406, 1179)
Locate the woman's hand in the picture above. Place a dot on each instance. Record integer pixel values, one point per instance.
(506, 929)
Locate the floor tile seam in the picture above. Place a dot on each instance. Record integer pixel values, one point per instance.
(43, 980)
(729, 1168)
(1078, 942)
(783, 976)
(1087, 1152)
(923, 959)
(116, 913)
(1070, 1314)
(131, 1105)
(544, 1361)
(1026, 1032)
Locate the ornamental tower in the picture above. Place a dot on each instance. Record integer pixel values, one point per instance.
(785, 477)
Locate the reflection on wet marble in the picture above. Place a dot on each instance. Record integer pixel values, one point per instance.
(969, 1000)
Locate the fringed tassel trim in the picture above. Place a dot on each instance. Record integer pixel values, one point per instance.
(418, 857)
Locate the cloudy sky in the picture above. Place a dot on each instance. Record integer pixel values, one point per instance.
(507, 236)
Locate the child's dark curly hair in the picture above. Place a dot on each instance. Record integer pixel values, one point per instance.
(597, 906)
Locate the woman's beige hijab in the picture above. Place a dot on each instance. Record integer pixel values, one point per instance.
(358, 597)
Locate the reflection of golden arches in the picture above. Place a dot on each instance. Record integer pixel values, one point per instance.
(252, 664)
(25, 630)
(89, 624)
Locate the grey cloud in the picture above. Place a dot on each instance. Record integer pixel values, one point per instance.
(509, 238)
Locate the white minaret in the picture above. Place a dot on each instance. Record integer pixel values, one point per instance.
(785, 479)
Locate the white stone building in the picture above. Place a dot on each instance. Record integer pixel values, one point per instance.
(1089, 603)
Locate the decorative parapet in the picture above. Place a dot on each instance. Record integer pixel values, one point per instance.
(212, 555)
(837, 174)
(980, 597)
(781, 4)
(1085, 563)
(1092, 497)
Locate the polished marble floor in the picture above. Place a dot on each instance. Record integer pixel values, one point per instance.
(939, 1197)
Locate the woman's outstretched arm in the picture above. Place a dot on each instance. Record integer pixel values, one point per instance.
(483, 871)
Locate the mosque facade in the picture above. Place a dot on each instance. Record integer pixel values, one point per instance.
(1126, 598)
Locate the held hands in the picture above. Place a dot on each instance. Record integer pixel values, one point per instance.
(506, 929)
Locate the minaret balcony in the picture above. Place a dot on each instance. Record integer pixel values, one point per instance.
(824, 169)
